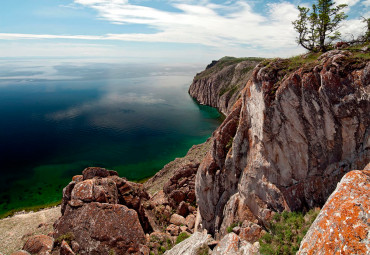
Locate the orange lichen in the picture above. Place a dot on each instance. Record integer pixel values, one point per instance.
(342, 226)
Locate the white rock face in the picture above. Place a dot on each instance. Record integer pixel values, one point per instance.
(191, 245)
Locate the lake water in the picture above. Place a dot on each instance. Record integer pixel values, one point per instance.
(58, 117)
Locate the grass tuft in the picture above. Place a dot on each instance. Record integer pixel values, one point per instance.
(286, 232)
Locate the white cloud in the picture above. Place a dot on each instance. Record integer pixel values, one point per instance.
(230, 27)
(193, 23)
(348, 2)
(113, 100)
(366, 3)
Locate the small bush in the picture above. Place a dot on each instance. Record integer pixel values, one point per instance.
(230, 228)
(286, 232)
(161, 250)
(182, 237)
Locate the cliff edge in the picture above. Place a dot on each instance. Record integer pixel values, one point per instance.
(296, 130)
(219, 85)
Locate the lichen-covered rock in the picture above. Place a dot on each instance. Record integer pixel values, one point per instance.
(100, 227)
(105, 186)
(193, 245)
(343, 225)
(288, 140)
(231, 244)
(39, 244)
(220, 84)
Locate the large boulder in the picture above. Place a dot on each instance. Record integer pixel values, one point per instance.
(100, 228)
(39, 244)
(342, 226)
(104, 186)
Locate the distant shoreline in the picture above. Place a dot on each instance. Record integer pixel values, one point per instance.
(28, 209)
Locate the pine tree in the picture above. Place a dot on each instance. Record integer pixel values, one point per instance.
(318, 28)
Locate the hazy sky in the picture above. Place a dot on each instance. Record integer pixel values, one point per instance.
(172, 30)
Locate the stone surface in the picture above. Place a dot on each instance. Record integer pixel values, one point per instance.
(177, 219)
(20, 253)
(104, 186)
(288, 140)
(39, 244)
(190, 221)
(191, 245)
(99, 228)
(173, 230)
(251, 233)
(220, 84)
(180, 188)
(231, 244)
(65, 249)
(183, 209)
(343, 224)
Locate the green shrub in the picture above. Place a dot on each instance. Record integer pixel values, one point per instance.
(286, 231)
(182, 237)
(67, 237)
(161, 250)
(230, 228)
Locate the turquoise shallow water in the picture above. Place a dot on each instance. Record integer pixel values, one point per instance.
(57, 119)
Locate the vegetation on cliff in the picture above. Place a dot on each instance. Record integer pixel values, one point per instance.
(286, 232)
(218, 65)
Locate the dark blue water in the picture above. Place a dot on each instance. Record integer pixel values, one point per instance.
(58, 118)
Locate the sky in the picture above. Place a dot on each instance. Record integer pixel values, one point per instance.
(158, 30)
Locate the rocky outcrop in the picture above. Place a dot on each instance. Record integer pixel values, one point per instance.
(287, 141)
(232, 244)
(180, 189)
(103, 213)
(343, 225)
(101, 227)
(220, 84)
(194, 245)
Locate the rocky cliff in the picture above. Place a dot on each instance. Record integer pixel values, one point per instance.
(219, 85)
(298, 127)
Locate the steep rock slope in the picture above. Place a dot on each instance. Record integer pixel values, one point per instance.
(343, 225)
(220, 84)
(287, 141)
